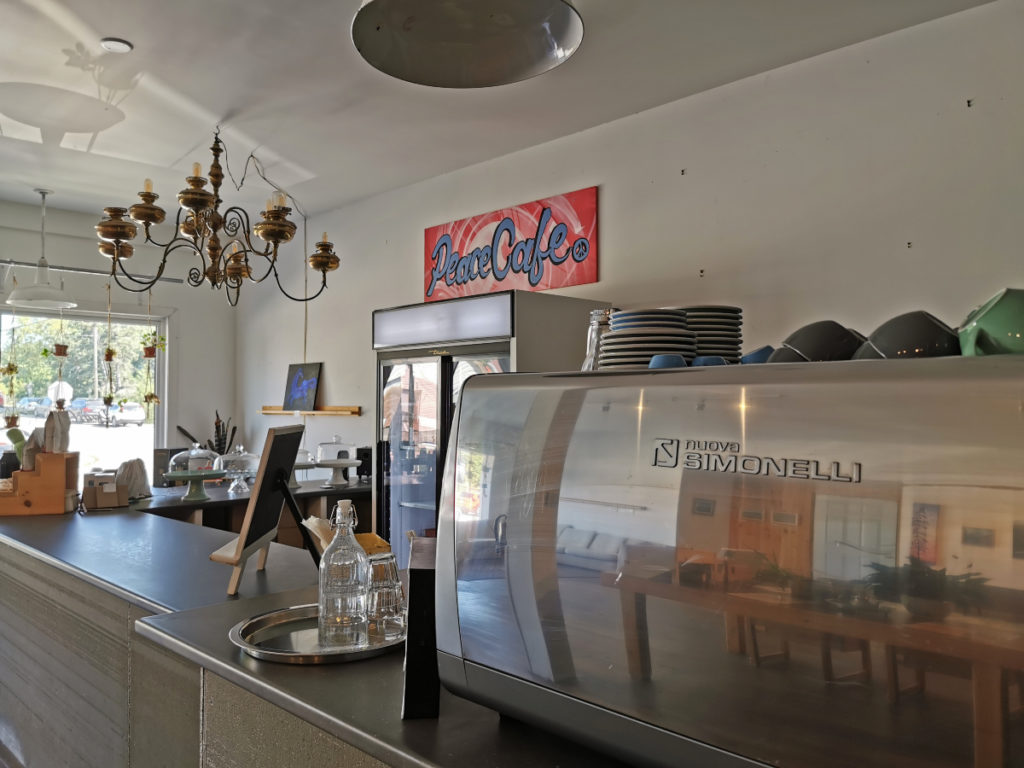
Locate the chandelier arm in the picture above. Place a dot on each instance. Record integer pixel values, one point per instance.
(323, 285)
(236, 225)
(146, 284)
(235, 219)
(150, 240)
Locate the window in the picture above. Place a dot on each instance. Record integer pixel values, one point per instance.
(104, 436)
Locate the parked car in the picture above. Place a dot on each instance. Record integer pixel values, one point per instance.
(43, 406)
(27, 405)
(128, 413)
(94, 411)
(74, 409)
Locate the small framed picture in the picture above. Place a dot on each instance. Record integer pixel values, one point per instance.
(301, 387)
(979, 537)
(704, 507)
(785, 518)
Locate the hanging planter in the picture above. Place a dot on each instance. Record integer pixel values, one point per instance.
(108, 354)
(59, 350)
(151, 398)
(11, 420)
(151, 342)
(108, 400)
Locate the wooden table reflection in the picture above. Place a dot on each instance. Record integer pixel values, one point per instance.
(990, 647)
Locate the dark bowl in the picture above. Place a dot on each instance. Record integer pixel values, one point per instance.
(867, 351)
(825, 340)
(915, 334)
(786, 355)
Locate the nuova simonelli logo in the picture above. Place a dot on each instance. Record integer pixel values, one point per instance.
(726, 456)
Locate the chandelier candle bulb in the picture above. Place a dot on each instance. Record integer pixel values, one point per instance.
(147, 186)
(197, 169)
(325, 238)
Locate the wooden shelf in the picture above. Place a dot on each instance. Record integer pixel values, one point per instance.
(327, 410)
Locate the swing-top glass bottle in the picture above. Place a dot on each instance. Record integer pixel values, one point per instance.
(344, 584)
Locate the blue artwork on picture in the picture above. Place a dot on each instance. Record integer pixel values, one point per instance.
(301, 388)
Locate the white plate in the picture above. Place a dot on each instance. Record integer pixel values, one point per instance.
(641, 316)
(717, 309)
(642, 326)
(648, 312)
(616, 342)
(644, 353)
(643, 332)
(660, 323)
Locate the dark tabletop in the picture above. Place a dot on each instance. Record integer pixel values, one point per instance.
(160, 564)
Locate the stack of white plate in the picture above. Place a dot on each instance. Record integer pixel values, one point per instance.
(718, 330)
(636, 335)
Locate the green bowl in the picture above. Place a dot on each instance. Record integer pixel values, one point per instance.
(996, 327)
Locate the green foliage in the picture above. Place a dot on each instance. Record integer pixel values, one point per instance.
(918, 579)
(154, 339)
(84, 368)
(770, 572)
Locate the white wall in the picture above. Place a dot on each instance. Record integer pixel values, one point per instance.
(803, 188)
(201, 339)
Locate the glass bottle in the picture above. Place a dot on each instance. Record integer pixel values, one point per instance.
(599, 319)
(344, 584)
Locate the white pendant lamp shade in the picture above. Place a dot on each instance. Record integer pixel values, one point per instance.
(41, 294)
(466, 43)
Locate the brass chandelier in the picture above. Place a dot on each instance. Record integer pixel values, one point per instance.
(200, 225)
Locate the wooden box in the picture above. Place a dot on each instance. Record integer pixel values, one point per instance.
(49, 489)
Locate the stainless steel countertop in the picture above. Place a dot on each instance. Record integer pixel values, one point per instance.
(360, 702)
(164, 565)
(160, 564)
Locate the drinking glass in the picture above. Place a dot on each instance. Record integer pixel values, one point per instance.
(386, 600)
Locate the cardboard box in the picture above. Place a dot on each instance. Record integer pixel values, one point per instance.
(100, 491)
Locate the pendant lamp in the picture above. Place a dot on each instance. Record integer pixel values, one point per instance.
(466, 43)
(41, 294)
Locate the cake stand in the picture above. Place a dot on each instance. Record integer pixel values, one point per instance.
(195, 478)
(338, 467)
(293, 483)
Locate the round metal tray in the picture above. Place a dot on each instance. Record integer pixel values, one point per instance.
(289, 635)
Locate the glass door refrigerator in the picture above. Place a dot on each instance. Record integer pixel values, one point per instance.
(424, 354)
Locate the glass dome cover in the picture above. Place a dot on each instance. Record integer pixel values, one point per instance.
(239, 464)
(195, 458)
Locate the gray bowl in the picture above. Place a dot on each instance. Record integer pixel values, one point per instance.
(825, 340)
(786, 355)
(912, 334)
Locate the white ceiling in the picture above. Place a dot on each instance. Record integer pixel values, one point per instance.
(283, 80)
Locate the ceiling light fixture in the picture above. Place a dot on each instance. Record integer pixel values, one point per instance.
(466, 43)
(41, 294)
(199, 225)
(116, 45)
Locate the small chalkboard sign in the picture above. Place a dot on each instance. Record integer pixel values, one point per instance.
(259, 527)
